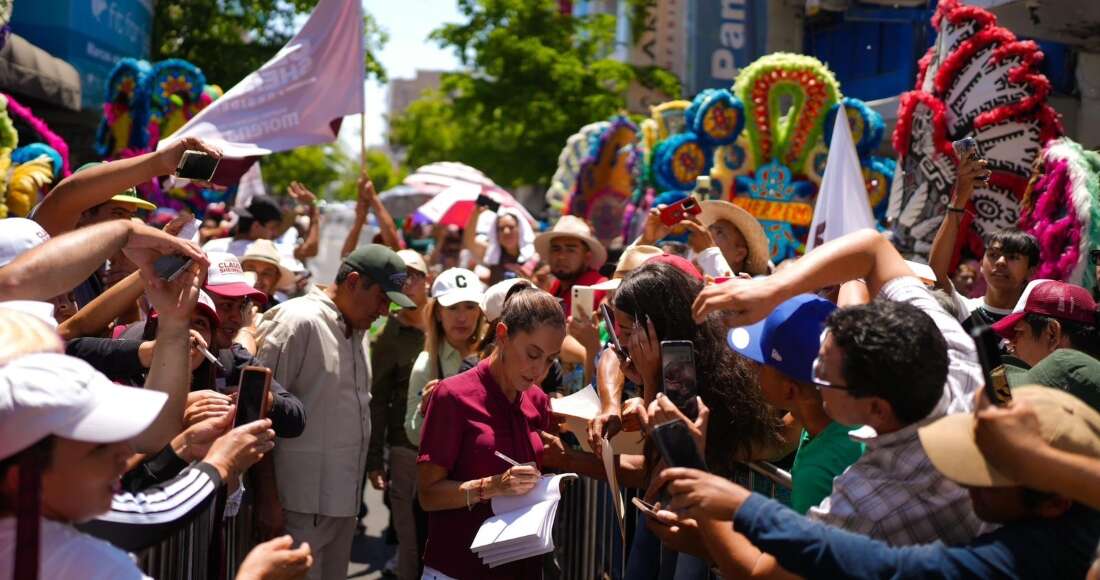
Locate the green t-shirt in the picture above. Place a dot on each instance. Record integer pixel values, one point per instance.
(818, 461)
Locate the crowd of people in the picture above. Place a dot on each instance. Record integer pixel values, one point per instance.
(430, 374)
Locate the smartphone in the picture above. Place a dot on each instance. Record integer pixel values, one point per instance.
(677, 446)
(171, 266)
(487, 202)
(584, 298)
(988, 344)
(644, 507)
(964, 147)
(609, 320)
(679, 211)
(252, 395)
(678, 376)
(197, 166)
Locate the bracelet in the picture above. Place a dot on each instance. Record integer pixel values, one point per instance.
(468, 506)
(956, 209)
(481, 490)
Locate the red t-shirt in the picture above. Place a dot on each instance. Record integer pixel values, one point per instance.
(589, 278)
(468, 418)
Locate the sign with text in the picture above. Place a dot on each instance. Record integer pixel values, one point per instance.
(726, 36)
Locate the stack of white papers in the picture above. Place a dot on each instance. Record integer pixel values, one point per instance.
(522, 525)
(581, 407)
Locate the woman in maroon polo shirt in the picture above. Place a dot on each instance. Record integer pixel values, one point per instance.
(493, 407)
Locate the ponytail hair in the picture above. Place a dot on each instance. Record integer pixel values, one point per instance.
(527, 308)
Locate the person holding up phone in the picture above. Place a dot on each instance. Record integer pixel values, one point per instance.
(575, 257)
(506, 247)
(494, 407)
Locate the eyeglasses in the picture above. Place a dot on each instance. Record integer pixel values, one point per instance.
(820, 383)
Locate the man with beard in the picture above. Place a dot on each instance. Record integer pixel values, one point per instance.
(575, 257)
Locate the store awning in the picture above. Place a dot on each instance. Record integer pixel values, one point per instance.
(29, 71)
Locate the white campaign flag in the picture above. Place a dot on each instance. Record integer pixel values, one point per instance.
(298, 97)
(842, 204)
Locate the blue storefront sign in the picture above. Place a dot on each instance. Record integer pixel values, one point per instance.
(724, 36)
(92, 35)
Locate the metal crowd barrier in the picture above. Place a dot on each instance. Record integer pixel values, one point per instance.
(588, 542)
(186, 554)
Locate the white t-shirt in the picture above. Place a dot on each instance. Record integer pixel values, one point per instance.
(983, 313)
(231, 245)
(67, 553)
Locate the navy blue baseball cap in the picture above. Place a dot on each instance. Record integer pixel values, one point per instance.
(788, 339)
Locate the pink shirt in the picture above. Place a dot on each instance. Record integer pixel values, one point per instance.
(468, 418)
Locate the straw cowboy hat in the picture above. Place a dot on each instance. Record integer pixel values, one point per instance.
(633, 257)
(266, 251)
(759, 252)
(572, 227)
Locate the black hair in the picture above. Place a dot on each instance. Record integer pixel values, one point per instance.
(243, 225)
(894, 351)
(1016, 241)
(43, 449)
(1082, 337)
(527, 308)
(740, 419)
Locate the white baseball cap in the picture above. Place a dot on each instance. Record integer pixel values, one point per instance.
(17, 235)
(493, 301)
(227, 278)
(55, 394)
(413, 260)
(457, 285)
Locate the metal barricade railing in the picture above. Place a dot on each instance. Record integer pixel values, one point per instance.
(588, 542)
(186, 553)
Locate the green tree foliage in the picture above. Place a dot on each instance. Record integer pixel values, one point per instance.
(228, 39)
(532, 77)
(327, 170)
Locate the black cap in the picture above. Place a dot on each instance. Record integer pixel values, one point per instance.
(384, 267)
(263, 209)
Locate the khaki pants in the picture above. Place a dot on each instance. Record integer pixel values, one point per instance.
(329, 538)
(402, 492)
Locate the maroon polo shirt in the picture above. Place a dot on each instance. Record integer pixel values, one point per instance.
(589, 278)
(468, 418)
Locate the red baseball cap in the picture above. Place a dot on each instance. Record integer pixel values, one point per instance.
(226, 278)
(681, 264)
(1054, 299)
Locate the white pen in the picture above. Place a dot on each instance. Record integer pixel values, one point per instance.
(511, 461)
(210, 357)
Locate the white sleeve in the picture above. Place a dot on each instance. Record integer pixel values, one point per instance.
(713, 263)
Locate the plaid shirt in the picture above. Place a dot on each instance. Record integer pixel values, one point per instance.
(894, 493)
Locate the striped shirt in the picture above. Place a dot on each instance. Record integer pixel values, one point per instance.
(894, 493)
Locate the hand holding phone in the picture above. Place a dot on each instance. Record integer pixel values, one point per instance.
(676, 445)
(583, 303)
(678, 376)
(169, 267)
(609, 320)
(679, 211)
(988, 344)
(487, 202)
(197, 166)
(252, 395)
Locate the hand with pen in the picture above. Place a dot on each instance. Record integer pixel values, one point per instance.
(517, 480)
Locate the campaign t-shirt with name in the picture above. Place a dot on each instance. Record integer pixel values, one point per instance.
(69, 554)
(819, 459)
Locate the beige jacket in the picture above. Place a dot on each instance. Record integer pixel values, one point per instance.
(305, 344)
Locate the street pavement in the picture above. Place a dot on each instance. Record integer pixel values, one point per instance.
(369, 552)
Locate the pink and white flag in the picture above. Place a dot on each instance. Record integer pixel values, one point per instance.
(298, 97)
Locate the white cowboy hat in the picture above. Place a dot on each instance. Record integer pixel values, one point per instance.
(757, 240)
(632, 258)
(572, 227)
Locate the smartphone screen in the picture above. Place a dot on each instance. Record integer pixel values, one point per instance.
(583, 301)
(988, 344)
(197, 166)
(255, 382)
(677, 447)
(170, 266)
(678, 376)
(609, 320)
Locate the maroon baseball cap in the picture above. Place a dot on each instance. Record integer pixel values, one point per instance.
(681, 264)
(1054, 299)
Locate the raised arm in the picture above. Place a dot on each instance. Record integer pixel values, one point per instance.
(388, 228)
(97, 315)
(62, 263)
(469, 235)
(86, 189)
(864, 254)
(170, 371)
(312, 242)
(971, 170)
